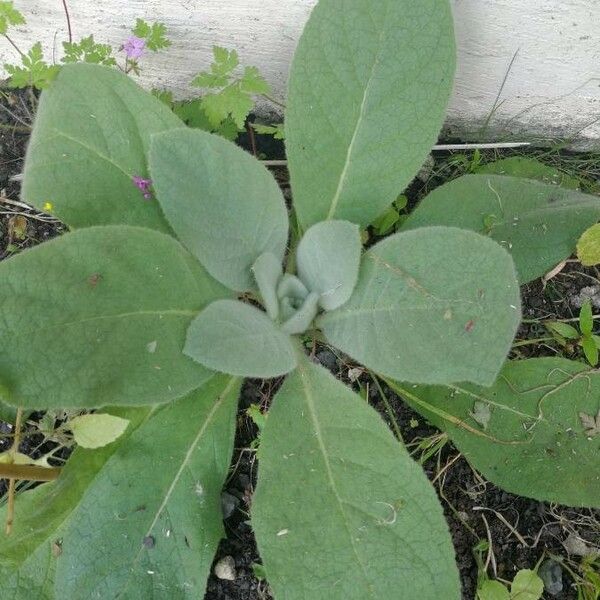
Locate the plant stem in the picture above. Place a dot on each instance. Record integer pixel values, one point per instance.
(14, 45)
(273, 101)
(68, 20)
(10, 511)
(528, 342)
(388, 408)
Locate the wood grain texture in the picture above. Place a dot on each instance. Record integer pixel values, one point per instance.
(553, 88)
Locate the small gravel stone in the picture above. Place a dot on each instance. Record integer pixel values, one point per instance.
(550, 573)
(328, 359)
(225, 568)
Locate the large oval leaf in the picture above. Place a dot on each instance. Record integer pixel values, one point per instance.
(150, 524)
(340, 496)
(236, 338)
(535, 433)
(99, 317)
(224, 206)
(538, 223)
(91, 137)
(436, 305)
(367, 96)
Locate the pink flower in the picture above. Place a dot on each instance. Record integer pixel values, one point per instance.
(143, 185)
(134, 47)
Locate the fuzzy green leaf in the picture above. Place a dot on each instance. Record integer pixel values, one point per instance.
(99, 317)
(538, 223)
(97, 430)
(529, 168)
(367, 96)
(236, 338)
(328, 259)
(435, 305)
(220, 201)
(92, 133)
(150, 523)
(268, 272)
(340, 496)
(535, 444)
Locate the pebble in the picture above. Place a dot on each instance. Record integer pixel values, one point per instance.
(225, 568)
(550, 573)
(328, 359)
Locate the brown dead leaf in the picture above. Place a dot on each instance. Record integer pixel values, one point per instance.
(17, 227)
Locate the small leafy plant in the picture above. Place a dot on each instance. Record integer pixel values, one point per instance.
(180, 278)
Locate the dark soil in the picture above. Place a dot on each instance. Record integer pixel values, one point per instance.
(519, 532)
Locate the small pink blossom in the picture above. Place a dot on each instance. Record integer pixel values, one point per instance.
(134, 47)
(143, 185)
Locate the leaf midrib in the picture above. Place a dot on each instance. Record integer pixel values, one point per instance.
(361, 115)
(340, 502)
(221, 399)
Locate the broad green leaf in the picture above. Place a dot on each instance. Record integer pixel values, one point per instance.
(150, 524)
(529, 168)
(435, 305)
(536, 443)
(367, 96)
(221, 202)
(538, 223)
(236, 338)
(99, 317)
(328, 259)
(41, 512)
(97, 430)
(91, 137)
(492, 590)
(588, 246)
(338, 495)
(33, 579)
(527, 585)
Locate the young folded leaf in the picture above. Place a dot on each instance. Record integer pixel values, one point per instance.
(91, 139)
(236, 338)
(161, 532)
(339, 495)
(224, 206)
(328, 258)
(435, 305)
(367, 96)
(538, 223)
(99, 316)
(535, 443)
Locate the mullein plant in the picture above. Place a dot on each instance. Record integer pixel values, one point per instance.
(176, 282)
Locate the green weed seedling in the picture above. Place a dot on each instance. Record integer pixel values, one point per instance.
(178, 280)
(584, 336)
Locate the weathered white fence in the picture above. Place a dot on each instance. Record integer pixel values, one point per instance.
(547, 53)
